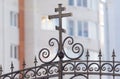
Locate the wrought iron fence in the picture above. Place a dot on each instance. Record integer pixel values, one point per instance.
(66, 67)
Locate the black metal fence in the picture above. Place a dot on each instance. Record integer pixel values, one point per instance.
(66, 66)
(73, 68)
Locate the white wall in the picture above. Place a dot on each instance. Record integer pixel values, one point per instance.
(1, 31)
(112, 27)
(117, 27)
(29, 31)
(8, 34)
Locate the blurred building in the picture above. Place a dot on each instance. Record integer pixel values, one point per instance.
(112, 26)
(83, 25)
(25, 28)
(10, 34)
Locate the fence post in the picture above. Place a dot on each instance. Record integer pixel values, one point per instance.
(0, 70)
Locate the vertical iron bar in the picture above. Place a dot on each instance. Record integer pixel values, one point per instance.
(60, 43)
(87, 55)
(60, 47)
(35, 62)
(74, 67)
(47, 72)
(12, 67)
(100, 68)
(0, 70)
(113, 55)
(24, 64)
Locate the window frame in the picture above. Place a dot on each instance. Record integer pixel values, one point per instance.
(83, 30)
(14, 18)
(14, 51)
(80, 4)
(71, 26)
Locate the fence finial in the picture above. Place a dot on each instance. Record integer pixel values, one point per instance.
(113, 55)
(87, 55)
(100, 54)
(0, 70)
(35, 61)
(24, 64)
(12, 67)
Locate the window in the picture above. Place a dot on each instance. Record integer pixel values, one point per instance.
(13, 18)
(81, 3)
(79, 28)
(71, 2)
(82, 28)
(14, 51)
(48, 24)
(71, 27)
(85, 29)
(84, 3)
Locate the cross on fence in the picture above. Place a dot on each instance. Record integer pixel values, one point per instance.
(60, 15)
(73, 67)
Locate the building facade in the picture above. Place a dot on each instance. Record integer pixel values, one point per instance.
(10, 32)
(83, 25)
(25, 28)
(112, 27)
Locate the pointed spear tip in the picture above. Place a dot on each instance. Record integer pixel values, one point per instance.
(24, 63)
(60, 4)
(87, 55)
(100, 54)
(11, 63)
(113, 55)
(35, 59)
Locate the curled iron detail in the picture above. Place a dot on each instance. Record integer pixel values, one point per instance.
(29, 73)
(81, 66)
(94, 67)
(41, 71)
(45, 53)
(53, 69)
(52, 41)
(117, 68)
(107, 67)
(77, 48)
(81, 75)
(69, 66)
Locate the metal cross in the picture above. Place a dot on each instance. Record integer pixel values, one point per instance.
(60, 16)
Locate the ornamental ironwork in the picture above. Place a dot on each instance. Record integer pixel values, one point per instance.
(63, 65)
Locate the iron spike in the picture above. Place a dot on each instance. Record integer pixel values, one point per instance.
(24, 64)
(87, 55)
(113, 54)
(35, 60)
(100, 54)
(12, 67)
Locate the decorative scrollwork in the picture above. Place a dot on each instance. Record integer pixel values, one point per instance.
(52, 42)
(77, 48)
(53, 69)
(117, 68)
(81, 67)
(107, 67)
(29, 73)
(94, 67)
(41, 71)
(80, 76)
(44, 54)
(18, 75)
(68, 67)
